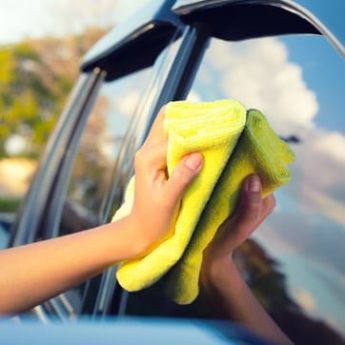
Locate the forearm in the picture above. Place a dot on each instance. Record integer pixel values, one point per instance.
(36, 272)
(232, 298)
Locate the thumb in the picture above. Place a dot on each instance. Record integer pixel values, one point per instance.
(182, 176)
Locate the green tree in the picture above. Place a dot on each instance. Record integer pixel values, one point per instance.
(35, 78)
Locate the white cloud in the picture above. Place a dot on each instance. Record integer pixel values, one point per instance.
(259, 74)
(331, 207)
(333, 145)
(319, 170)
(193, 96)
(56, 17)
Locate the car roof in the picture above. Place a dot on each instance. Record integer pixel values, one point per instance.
(136, 43)
(121, 51)
(325, 17)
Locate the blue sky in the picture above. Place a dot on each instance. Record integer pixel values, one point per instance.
(298, 82)
(328, 69)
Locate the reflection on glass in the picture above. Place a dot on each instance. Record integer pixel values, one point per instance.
(4, 236)
(297, 81)
(98, 151)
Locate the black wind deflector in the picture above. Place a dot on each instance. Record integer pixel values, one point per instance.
(134, 44)
(235, 20)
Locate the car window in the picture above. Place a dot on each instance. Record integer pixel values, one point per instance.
(91, 176)
(120, 111)
(294, 262)
(98, 150)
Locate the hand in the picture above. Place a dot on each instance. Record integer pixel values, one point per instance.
(227, 291)
(58, 264)
(250, 213)
(157, 197)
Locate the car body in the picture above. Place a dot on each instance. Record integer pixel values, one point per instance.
(156, 57)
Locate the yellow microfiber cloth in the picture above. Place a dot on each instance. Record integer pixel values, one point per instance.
(259, 151)
(211, 128)
(215, 129)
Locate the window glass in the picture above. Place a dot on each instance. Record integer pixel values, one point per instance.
(96, 156)
(3, 235)
(98, 150)
(294, 262)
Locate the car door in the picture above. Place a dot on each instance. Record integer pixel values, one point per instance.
(281, 262)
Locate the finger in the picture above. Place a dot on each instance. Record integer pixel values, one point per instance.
(251, 203)
(182, 176)
(244, 221)
(157, 132)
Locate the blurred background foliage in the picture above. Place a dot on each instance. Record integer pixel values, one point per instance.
(36, 76)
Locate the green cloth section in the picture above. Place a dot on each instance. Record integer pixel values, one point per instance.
(259, 151)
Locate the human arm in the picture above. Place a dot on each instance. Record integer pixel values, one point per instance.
(33, 273)
(228, 292)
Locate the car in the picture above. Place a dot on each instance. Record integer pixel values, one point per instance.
(128, 331)
(264, 53)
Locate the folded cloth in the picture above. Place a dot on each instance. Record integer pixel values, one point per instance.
(212, 128)
(259, 150)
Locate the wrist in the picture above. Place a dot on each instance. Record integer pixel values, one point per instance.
(216, 270)
(137, 240)
(124, 242)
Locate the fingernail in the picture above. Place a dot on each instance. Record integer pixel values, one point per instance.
(194, 161)
(254, 184)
